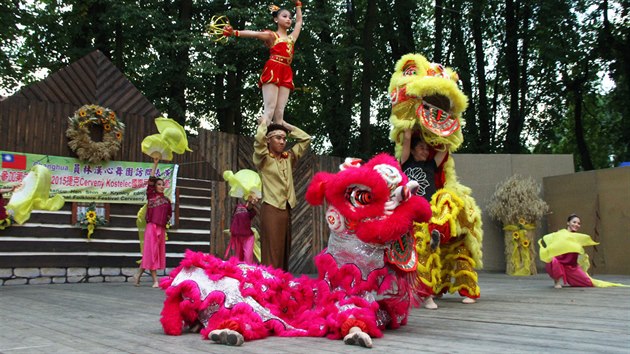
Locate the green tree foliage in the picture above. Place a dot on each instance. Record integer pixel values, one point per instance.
(533, 70)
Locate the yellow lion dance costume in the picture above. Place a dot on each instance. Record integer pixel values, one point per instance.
(425, 98)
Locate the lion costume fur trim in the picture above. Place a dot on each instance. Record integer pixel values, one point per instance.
(403, 114)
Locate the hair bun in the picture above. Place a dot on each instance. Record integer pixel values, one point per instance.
(273, 8)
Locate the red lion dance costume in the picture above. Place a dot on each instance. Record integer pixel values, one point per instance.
(366, 279)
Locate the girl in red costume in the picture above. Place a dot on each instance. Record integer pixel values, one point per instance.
(276, 80)
(158, 214)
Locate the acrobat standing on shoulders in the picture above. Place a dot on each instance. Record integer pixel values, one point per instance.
(276, 80)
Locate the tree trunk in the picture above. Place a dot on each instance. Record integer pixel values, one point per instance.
(220, 103)
(337, 125)
(368, 72)
(514, 125)
(463, 65)
(119, 46)
(523, 106)
(439, 29)
(347, 72)
(483, 116)
(180, 64)
(403, 10)
(576, 87)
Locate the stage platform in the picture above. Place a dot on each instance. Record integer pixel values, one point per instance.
(513, 315)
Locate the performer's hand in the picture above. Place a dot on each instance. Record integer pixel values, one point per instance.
(228, 31)
(298, 3)
(286, 124)
(440, 147)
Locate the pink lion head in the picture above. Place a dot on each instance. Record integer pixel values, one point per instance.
(373, 200)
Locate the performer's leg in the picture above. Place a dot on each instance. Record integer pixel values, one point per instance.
(555, 269)
(248, 249)
(154, 276)
(136, 277)
(274, 230)
(270, 98)
(281, 103)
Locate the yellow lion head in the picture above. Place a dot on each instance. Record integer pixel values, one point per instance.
(425, 97)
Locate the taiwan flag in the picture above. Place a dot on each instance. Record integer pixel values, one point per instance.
(14, 161)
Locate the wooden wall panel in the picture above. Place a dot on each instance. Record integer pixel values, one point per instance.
(35, 119)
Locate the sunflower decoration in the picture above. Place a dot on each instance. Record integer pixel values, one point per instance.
(79, 133)
(517, 205)
(90, 219)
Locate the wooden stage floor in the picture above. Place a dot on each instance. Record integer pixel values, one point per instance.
(514, 315)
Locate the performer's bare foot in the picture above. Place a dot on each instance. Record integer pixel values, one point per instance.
(557, 284)
(357, 337)
(468, 300)
(136, 279)
(226, 336)
(429, 303)
(155, 285)
(262, 120)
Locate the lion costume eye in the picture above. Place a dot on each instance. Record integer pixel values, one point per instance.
(410, 69)
(358, 196)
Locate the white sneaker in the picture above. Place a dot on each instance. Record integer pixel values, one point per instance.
(429, 303)
(468, 300)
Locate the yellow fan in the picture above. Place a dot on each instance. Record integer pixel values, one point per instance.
(243, 183)
(171, 139)
(33, 194)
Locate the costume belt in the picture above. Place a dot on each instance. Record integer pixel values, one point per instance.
(280, 59)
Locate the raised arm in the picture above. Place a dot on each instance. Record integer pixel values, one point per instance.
(406, 146)
(264, 36)
(154, 168)
(260, 143)
(303, 140)
(440, 154)
(298, 21)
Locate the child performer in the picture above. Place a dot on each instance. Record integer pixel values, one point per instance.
(419, 163)
(242, 237)
(276, 80)
(157, 216)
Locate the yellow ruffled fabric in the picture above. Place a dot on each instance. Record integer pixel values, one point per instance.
(564, 241)
(173, 133)
(521, 256)
(155, 146)
(561, 242)
(141, 224)
(243, 183)
(34, 194)
(171, 139)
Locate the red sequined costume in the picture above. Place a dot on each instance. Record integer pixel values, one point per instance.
(277, 69)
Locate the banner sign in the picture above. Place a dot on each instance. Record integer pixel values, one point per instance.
(77, 181)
